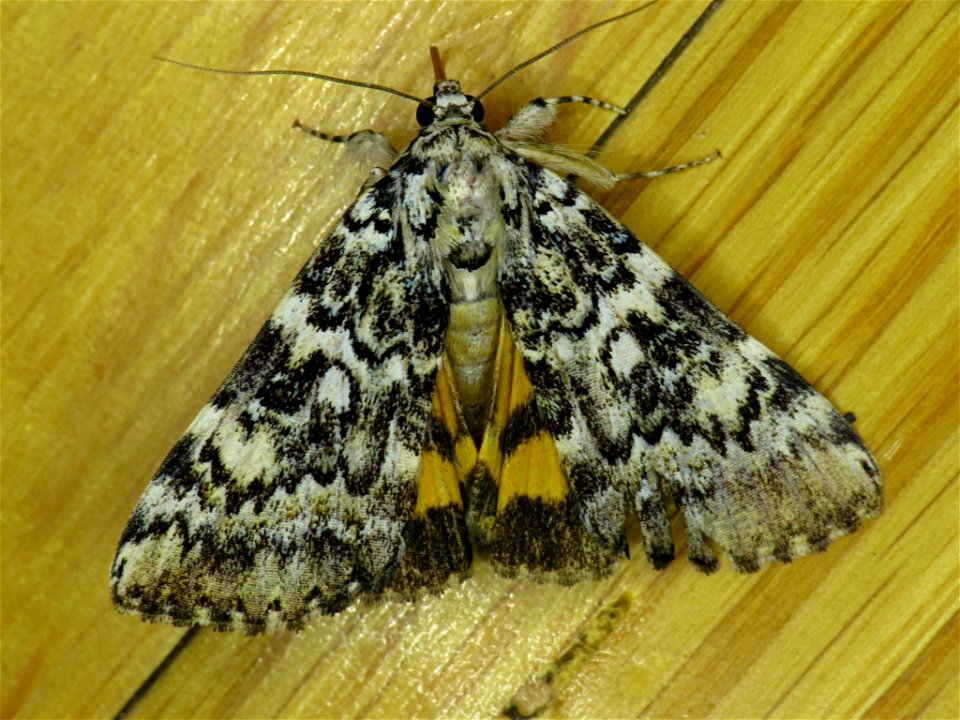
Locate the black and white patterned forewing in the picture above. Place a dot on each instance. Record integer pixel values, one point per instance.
(289, 493)
(648, 388)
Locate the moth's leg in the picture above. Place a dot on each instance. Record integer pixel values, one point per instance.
(521, 131)
(585, 101)
(536, 116)
(666, 171)
(369, 148)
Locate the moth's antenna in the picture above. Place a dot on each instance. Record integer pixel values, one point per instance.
(560, 44)
(300, 73)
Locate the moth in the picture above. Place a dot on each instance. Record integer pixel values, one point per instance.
(480, 357)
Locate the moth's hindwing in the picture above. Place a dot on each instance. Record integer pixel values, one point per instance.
(436, 546)
(521, 507)
(295, 490)
(649, 392)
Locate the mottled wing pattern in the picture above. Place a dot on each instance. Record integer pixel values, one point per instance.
(294, 491)
(649, 391)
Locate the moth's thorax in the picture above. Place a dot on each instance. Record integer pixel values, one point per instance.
(464, 191)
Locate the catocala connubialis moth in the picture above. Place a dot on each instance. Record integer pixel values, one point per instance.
(479, 356)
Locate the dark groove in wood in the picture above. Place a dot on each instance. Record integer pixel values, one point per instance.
(662, 69)
(157, 672)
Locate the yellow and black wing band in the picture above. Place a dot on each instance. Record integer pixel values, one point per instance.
(437, 549)
(521, 506)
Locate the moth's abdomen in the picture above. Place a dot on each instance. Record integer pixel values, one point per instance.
(471, 349)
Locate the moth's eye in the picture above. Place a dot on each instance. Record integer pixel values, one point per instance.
(477, 111)
(425, 113)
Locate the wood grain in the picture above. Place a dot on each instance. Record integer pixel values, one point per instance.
(152, 216)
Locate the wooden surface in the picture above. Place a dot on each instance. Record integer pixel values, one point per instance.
(152, 216)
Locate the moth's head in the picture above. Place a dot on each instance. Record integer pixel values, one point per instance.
(446, 102)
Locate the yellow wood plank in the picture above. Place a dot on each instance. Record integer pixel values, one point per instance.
(151, 217)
